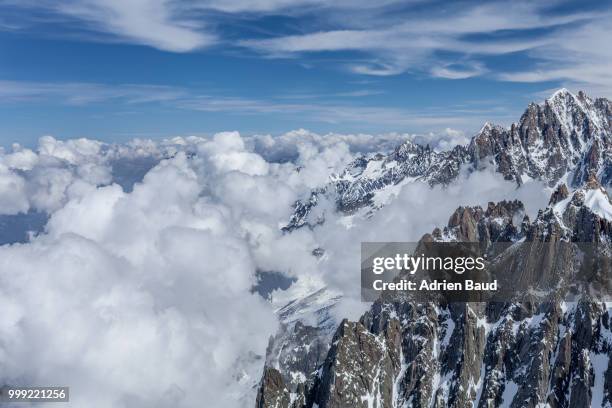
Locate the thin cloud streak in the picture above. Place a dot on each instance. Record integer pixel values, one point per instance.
(580, 59)
(152, 23)
(82, 93)
(416, 42)
(389, 38)
(85, 94)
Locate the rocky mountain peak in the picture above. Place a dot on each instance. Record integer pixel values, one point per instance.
(562, 96)
(576, 113)
(584, 215)
(272, 392)
(592, 183)
(560, 194)
(498, 222)
(489, 127)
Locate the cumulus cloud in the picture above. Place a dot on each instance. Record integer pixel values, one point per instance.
(288, 146)
(145, 295)
(57, 169)
(446, 139)
(49, 175)
(146, 292)
(13, 197)
(227, 153)
(168, 331)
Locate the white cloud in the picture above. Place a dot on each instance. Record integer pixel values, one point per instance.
(444, 140)
(52, 174)
(154, 23)
(389, 39)
(146, 294)
(84, 93)
(458, 71)
(168, 25)
(13, 196)
(20, 158)
(60, 170)
(342, 112)
(416, 210)
(416, 41)
(163, 333)
(227, 153)
(286, 6)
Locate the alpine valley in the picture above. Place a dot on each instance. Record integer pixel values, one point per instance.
(533, 351)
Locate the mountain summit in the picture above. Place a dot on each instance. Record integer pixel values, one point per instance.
(566, 138)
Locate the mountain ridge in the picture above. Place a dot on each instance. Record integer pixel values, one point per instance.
(523, 353)
(564, 139)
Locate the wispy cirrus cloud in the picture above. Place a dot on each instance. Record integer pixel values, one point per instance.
(83, 93)
(341, 114)
(342, 109)
(459, 71)
(168, 25)
(579, 58)
(155, 23)
(437, 39)
(466, 31)
(342, 44)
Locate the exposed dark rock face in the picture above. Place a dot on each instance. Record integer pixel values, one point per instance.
(568, 137)
(572, 219)
(507, 354)
(496, 223)
(560, 194)
(360, 368)
(302, 211)
(408, 161)
(297, 350)
(524, 353)
(272, 392)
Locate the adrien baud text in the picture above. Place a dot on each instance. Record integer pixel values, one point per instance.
(411, 264)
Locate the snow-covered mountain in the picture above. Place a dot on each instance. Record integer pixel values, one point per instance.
(565, 138)
(520, 353)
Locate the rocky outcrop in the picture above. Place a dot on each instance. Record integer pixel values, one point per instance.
(297, 351)
(272, 392)
(360, 368)
(496, 223)
(584, 216)
(560, 194)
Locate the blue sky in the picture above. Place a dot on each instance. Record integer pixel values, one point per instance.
(114, 70)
